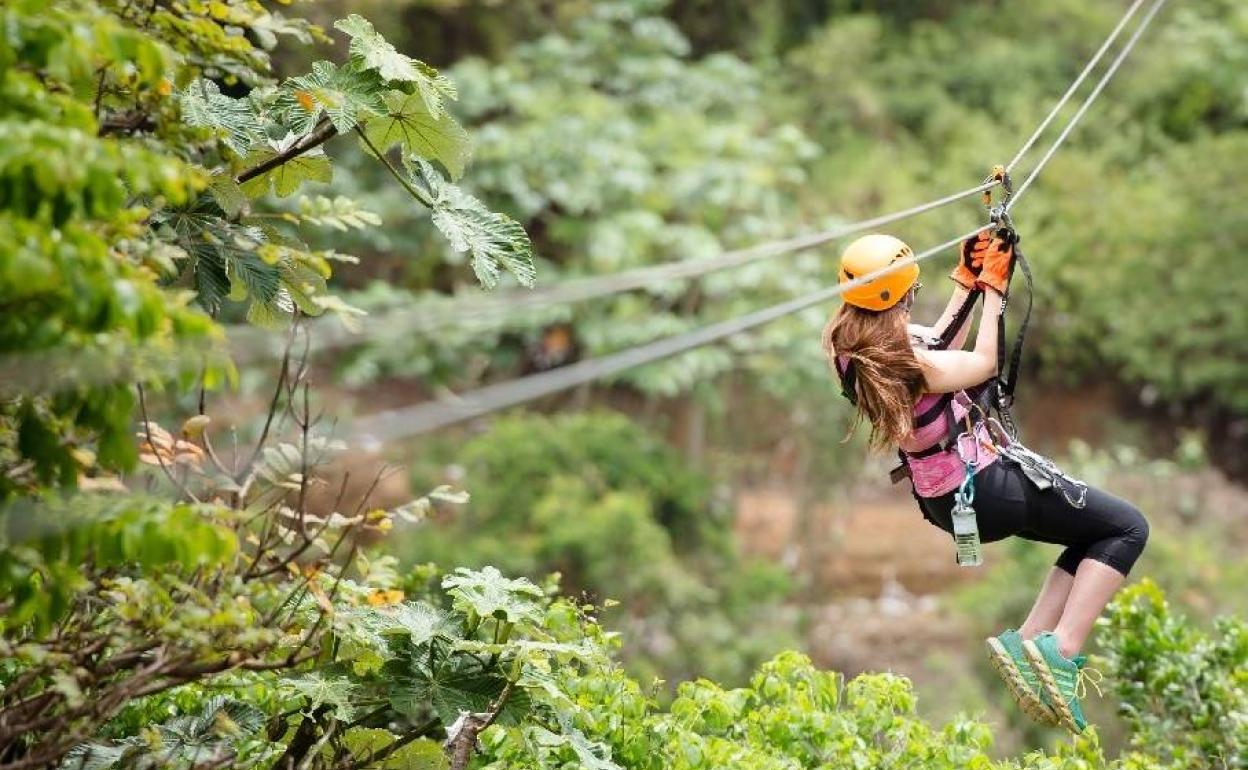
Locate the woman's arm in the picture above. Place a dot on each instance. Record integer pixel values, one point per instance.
(945, 371)
(959, 296)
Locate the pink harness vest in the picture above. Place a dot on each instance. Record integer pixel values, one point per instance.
(933, 471)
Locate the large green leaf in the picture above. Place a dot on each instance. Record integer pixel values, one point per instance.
(420, 623)
(450, 692)
(321, 689)
(309, 166)
(375, 53)
(236, 120)
(346, 95)
(410, 123)
(494, 241)
(420, 754)
(252, 276)
(490, 595)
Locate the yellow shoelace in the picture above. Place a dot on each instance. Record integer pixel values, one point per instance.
(1088, 676)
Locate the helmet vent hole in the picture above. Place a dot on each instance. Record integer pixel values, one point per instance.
(884, 295)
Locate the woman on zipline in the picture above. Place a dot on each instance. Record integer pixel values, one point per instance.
(919, 396)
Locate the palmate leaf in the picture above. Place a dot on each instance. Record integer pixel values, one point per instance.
(419, 622)
(420, 754)
(235, 120)
(346, 95)
(303, 285)
(284, 180)
(589, 754)
(93, 756)
(494, 241)
(373, 52)
(409, 123)
(252, 276)
(449, 694)
(212, 281)
(322, 689)
(490, 595)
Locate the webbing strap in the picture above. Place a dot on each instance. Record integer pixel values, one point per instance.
(959, 320)
(1006, 381)
(1016, 354)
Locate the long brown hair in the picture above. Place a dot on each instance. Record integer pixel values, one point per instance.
(888, 378)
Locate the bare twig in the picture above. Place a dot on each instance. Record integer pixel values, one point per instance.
(277, 393)
(147, 429)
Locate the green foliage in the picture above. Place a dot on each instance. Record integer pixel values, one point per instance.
(618, 149)
(125, 178)
(620, 517)
(1184, 691)
(790, 715)
(184, 741)
(43, 544)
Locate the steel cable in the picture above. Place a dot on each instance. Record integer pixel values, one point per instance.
(1089, 99)
(1074, 86)
(432, 415)
(583, 289)
(249, 343)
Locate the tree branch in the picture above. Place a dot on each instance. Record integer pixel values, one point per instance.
(461, 742)
(411, 190)
(323, 132)
(147, 429)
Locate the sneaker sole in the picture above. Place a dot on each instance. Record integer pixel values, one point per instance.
(1057, 703)
(1003, 662)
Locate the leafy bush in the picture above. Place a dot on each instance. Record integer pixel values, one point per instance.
(134, 186)
(1183, 691)
(619, 516)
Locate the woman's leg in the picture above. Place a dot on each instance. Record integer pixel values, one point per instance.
(1047, 610)
(1093, 586)
(1105, 537)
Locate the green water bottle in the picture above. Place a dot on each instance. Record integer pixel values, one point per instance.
(965, 528)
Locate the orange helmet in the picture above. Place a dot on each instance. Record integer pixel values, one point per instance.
(869, 254)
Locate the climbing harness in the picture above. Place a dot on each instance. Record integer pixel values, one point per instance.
(987, 405)
(1042, 472)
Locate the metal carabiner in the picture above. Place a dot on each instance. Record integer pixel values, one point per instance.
(966, 490)
(999, 214)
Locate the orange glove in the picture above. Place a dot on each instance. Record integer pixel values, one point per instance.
(998, 258)
(967, 270)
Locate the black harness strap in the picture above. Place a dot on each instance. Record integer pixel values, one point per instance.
(959, 320)
(1016, 354)
(1004, 384)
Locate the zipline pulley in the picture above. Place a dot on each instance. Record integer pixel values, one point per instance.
(999, 214)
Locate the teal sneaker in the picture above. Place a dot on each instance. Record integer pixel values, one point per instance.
(1006, 655)
(1062, 679)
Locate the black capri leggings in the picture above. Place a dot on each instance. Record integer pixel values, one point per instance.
(1107, 529)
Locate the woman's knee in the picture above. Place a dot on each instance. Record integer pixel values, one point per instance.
(1122, 550)
(1136, 529)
